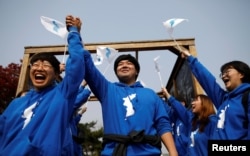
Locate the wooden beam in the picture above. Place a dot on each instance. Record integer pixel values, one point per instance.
(24, 74)
(120, 46)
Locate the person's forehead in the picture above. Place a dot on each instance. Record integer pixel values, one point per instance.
(42, 61)
(123, 61)
(228, 67)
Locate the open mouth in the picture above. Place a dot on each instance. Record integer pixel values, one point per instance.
(225, 80)
(39, 77)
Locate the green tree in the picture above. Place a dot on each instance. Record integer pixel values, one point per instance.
(92, 138)
(9, 77)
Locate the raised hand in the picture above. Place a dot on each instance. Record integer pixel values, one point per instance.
(73, 21)
(185, 53)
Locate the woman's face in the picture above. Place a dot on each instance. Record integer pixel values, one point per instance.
(231, 78)
(42, 74)
(196, 105)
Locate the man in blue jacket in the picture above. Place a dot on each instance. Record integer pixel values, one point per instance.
(37, 123)
(134, 117)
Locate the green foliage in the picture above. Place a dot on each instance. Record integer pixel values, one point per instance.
(92, 137)
(9, 77)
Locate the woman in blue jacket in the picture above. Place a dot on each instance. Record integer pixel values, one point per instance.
(37, 123)
(232, 117)
(200, 123)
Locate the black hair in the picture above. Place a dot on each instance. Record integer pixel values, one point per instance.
(241, 67)
(47, 57)
(130, 58)
(182, 99)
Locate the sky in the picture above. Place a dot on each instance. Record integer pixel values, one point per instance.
(221, 30)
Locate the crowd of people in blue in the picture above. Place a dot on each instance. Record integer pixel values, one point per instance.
(136, 120)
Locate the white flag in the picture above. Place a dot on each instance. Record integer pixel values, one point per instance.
(158, 69)
(54, 26)
(156, 64)
(171, 23)
(105, 53)
(99, 60)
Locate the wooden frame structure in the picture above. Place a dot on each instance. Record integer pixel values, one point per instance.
(130, 46)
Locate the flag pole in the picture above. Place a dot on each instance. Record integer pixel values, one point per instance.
(159, 74)
(64, 53)
(158, 70)
(175, 42)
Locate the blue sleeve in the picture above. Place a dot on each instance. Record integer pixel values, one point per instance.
(75, 71)
(182, 112)
(82, 97)
(170, 112)
(207, 81)
(77, 118)
(95, 79)
(163, 123)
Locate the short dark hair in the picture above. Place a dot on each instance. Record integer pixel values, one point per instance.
(181, 99)
(130, 58)
(241, 67)
(47, 57)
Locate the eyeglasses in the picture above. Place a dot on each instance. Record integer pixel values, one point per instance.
(224, 73)
(45, 66)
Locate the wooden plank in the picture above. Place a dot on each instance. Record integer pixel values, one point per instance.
(24, 74)
(120, 46)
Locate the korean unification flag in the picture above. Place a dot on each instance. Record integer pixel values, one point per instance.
(171, 23)
(54, 26)
(105, 53)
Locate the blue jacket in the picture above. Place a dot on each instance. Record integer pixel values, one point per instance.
(230, 111)
(82, 97)
(198, 143)
(195, 143)
(181, 130)
(74, 132)
(126, 108)
(45, 132)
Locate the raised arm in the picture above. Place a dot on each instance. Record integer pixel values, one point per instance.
(205, 78)
(75, 71)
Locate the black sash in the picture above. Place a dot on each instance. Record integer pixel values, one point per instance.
(133, 137)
